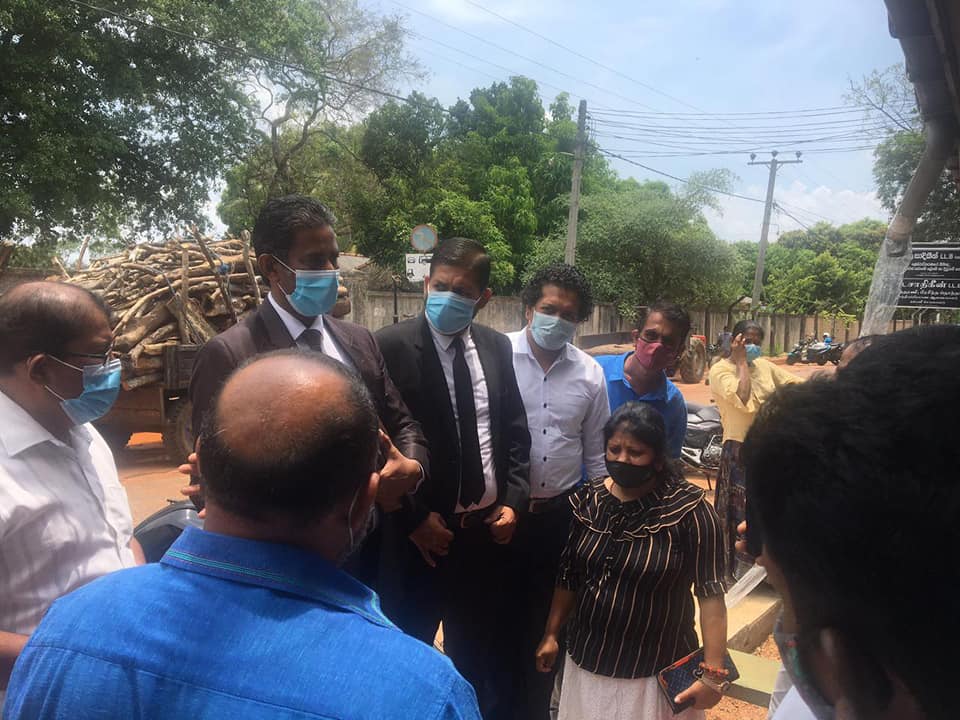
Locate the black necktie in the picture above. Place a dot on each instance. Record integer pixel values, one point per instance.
(313, 338)
(472, 484)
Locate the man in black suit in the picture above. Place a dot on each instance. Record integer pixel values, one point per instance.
(457, 378)
(297, 253)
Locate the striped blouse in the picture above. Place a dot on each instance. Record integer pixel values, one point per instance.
(632, 565)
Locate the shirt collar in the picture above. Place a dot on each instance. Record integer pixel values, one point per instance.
(293, 325)
(522, 347)
(445, 341)
(19, 430)
(658, 393)
(275, 566)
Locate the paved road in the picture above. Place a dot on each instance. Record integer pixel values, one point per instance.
(151, 479)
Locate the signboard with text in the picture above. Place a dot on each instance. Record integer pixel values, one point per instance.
(417, 266)
(932, 280)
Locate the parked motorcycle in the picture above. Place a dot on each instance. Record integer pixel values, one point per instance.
(822, 353)
(799, 352)
(159, 531)
(703, 441)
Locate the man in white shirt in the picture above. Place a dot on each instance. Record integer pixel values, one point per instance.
(565, 396)
(64, 517)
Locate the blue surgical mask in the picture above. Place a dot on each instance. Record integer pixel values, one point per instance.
(550, 331)
(449, 313)
(101, 385)
(799, 676)
(315, 292)
(753, 352)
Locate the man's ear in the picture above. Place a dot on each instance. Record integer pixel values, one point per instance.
(37, 369)
(484, 298)
(426, 285)
(365, 498)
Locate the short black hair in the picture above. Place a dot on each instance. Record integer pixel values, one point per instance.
(307, 477)
(746, 324)
(465, 254)
(642, 422)
(856, 495)
(45, 320)
(565, 277)
(672, 313)
(282, 218)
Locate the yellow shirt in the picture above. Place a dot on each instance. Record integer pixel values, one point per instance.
(737, 417)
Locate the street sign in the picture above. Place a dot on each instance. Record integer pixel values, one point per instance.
(423, 238)
(932, 280)
(417, 266)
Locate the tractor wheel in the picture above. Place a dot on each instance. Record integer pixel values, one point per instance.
(694, 362)
(178, 433)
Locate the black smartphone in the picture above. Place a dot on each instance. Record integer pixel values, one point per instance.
(197, 499)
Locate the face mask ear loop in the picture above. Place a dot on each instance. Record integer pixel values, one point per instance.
(353, 504)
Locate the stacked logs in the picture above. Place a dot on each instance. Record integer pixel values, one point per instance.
(179, 292)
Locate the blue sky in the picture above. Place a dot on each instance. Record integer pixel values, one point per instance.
(718, 56)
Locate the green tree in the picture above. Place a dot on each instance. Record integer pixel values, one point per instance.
(115, 122)
(640, 241)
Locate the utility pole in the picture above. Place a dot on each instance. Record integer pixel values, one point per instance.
(773, 164)
(570, 254)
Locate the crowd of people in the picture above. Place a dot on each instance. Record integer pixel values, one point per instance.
(360, 490)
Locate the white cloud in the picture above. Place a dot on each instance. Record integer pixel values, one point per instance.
(742, 219)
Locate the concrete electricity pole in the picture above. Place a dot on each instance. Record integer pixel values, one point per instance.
(569, 255)
(773, 164)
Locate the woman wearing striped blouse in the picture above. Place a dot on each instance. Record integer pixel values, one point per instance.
(640, 539)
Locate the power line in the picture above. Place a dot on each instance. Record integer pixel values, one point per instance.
(796, 220)
(243, 53)
(525, 58)
(578, 54)
(686, 181)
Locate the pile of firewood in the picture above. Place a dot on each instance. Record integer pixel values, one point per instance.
(179, 292)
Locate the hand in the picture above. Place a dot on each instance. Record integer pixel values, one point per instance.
(398, 476)
(547, 653)
(502, 522)
(738, 351)
(432, 538)
(192, 470)
(702, 696)
(741, 543)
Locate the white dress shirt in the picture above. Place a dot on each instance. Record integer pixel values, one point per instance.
(64, 517)
(567, 408)
(481, 399)
(330, 346)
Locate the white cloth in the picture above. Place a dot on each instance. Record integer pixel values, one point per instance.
(587, 696)
(567, 408)
(781, 686)
(792, 707)
(64, 517)
(331, 348)
(481, 400)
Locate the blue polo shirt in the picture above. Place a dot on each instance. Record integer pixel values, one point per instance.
(230, 629)
(666, 398)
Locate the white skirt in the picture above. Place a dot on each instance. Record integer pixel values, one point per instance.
(587, 696)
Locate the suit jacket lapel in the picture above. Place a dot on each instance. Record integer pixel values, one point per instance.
(275, 333)
(433, 380)
(491, 372)
(346, 340)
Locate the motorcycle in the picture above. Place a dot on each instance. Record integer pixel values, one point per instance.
(703, 441)
(821, 353)
(159, 531)
(799, 352)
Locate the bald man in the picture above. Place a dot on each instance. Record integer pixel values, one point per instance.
(64, 517)
(251, 617)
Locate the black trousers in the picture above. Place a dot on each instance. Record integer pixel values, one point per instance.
(539, 541)
(478, 619)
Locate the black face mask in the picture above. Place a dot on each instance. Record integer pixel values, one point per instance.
(630, 476)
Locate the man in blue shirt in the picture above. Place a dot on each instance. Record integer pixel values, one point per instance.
(639, 375)
(250, 618)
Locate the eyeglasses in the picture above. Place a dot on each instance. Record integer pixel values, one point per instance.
(103, 359)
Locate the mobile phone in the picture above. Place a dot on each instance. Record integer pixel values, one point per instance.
(754, 534)
(197, 500)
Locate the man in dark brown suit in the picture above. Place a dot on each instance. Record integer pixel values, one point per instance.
(297, 253)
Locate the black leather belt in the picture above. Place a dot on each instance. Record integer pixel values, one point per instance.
(472, 519)
(538, 506)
